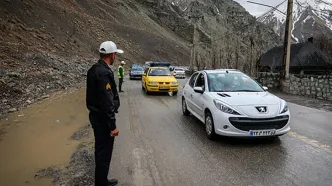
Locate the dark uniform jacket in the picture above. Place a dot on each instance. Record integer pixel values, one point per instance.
(101, 94)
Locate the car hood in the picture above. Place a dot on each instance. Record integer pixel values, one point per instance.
(162, 78)
(248, 103)
(247, 98)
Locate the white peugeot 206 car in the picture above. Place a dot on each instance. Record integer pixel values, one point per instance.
(230, 103)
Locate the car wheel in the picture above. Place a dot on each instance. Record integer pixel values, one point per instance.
(175, 93)
(146, 90)
(185, 110)
(209, 126)
(142, 87)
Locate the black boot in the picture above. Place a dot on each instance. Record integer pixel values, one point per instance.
(112, 182)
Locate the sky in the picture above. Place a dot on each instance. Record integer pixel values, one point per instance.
(257, 10)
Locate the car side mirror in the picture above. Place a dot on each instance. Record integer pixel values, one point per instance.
(265, 88)
(199, 90)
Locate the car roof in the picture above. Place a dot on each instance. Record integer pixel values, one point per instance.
(233, 71)
(159, 67)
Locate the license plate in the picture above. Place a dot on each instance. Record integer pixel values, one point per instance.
(163, 88)
(262, 132)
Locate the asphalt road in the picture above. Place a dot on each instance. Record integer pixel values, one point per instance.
(157, 145)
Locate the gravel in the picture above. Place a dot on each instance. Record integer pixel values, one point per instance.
(83, 133)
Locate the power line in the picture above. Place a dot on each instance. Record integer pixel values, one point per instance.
(267, 6)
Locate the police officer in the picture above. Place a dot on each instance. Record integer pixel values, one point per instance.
(121, 75)
(103, 102)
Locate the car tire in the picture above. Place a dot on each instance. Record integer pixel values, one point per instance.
(209, 126)
(175, 93)
(143, 87)
(146, 90)
(185, 110)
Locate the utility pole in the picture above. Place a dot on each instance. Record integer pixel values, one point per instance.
(195, 37)
(193, 57)
(287, 39)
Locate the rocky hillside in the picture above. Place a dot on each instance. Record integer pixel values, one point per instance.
(311, 18)
(228, 35)
(48, 45)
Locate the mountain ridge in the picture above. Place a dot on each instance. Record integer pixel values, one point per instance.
(311, 18)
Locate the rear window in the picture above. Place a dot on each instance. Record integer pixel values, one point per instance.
(137, 68)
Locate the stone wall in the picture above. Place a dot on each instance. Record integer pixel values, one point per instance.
(315, 86)
(270, 80)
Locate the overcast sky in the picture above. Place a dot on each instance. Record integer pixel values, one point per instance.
(257, 10)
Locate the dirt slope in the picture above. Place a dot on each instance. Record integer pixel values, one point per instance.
(47, 45)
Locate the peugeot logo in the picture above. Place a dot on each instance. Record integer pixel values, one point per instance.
(261, 109)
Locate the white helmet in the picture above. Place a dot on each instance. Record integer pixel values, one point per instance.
(123, 63)
(109, 47)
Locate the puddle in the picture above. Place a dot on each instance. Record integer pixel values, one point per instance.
(36, 141)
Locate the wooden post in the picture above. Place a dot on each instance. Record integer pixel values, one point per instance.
(287, 39)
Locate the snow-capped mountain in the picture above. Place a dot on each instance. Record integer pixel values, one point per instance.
(310, 18)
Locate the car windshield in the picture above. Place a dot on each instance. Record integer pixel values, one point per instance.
(232, 82)
(159, 72)
(137, 68)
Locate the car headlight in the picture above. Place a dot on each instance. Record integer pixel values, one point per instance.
(152, 83)
(224, 108)
(174, 83)
(284, 107)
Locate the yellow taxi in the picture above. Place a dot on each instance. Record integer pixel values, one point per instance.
(159, 79)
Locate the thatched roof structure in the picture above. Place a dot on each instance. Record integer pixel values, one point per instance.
(304, 57)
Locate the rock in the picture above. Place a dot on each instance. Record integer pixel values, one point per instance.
(308, 92)
(28, 102)
(4, 101)
(46, 96)
(13, 74)
(12, 110)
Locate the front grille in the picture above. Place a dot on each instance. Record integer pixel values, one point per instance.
(167, 83)
(161, 82)
(247, 124)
